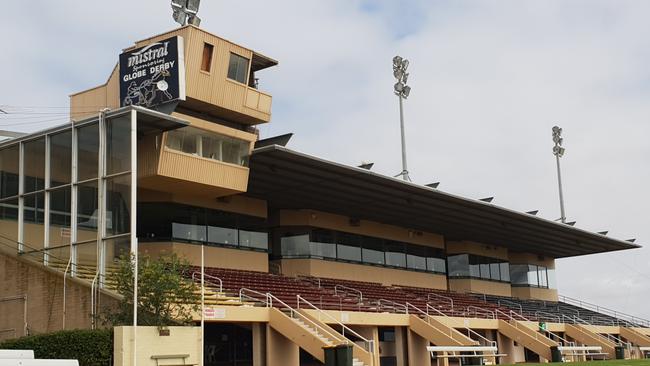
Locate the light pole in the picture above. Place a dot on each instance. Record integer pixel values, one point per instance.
(402, 91)
(558, 151)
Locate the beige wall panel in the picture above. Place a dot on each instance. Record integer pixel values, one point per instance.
(473, 323)
(417, 350)
(480, 287)
(528, 258)
(358, 272)
(113, 89)
(201, 170)
(342, 223)
(235, 203)
(214, 256)
(216, 127)
(279, 350)
(243, 314)
(547, 294)
(87, 103)
(467, 247)
(365, 318)
(181, 341)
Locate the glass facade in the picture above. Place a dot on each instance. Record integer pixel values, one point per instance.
(176, 222)
(316, 243)
(532, 276)
(479, 267)
(209, 145)
(60, 203)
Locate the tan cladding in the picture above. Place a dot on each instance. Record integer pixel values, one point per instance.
(359, 272)
(237, 203)
(342, 223)
(210, 92)
(525, 292)
(480, 287)
(528, 258)
(214, 256)
(468, 247)
(184, 342)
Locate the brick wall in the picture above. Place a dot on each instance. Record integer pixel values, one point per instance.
(44, 291)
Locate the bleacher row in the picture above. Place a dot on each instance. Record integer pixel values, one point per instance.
(347, 295)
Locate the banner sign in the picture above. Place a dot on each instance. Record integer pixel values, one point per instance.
(154, 74)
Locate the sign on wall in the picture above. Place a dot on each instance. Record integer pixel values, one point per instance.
(154, 74)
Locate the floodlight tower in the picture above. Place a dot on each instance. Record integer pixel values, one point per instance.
(558, 151)
(402, 91)
(184, 12)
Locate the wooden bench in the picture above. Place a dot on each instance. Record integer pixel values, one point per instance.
(183, 357)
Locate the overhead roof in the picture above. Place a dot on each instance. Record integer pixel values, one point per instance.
(289, 179)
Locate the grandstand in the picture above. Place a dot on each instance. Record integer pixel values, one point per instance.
(300, 254)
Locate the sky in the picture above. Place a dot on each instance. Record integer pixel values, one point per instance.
(489, 80)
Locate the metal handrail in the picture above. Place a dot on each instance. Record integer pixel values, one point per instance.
(480, 310)
(270, 298)
(481, 337)
(308, 278)
(349, 289)
(603, 310)
(579, 321)
(521, 309)
(242, 295)
(392, 304)
(547, 315)
(451, 301)
(429, 307)
(370, 343)
(426, 316)
(514, 321)
(194, 275)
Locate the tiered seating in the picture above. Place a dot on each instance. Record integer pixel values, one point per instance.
(552, 311)
(328, 294)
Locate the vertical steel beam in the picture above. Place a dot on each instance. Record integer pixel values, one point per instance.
(134, 223)
(46, 215)
(21, 199)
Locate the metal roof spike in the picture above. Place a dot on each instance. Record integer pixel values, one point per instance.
(603, 232)
(487, 199)
(631, 240)
(534, 212)
(433, 185)
(365, 165)
(572, 223)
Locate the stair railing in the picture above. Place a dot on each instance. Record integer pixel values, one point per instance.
(477, 310)
(345, 290)
(427, 319)
(369, 345)
(578, 321)
(486, 341)
(516, 323)
(294, 314)
(196, 277)
(389, 304)
(246, 293)
(437, 296)
(311, 279)
(517, 305)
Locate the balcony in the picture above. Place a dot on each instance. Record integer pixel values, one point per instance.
(192, 160)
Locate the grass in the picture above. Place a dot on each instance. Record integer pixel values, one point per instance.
(603, 363)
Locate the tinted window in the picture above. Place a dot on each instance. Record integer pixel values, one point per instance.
(238, 68)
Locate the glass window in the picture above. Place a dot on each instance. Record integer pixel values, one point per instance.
(532, 275)
(372, 256)
(238, 68)
(60, 217)
(9, 217)
(541, 275)
(494, 272)
(505, 271)
(295, 246)
(209, 145)
(88, 150)
(118, 205)
(322, 236)
(416, 262)
(206, 59)
(437, 265)
(114, 248)
(9, 171)
(322, 250)
(154, 221)
(348, 253)
(188, 232)
(395, 255)
(474, 266)
(34, 215)
(60, 158)
(118, 145)
(87, 255)
(87, 211)
(59, 255)
(254, 239)
(34, 165)
(223, 235)
(485, 270)
(519, 274)
(458, 265)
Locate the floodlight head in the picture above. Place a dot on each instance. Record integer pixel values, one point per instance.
(397, 61)
(405, 64)
(405, 78)
(557, 130)
(399, 87)
(193, 6)
(406, 91)
(194, 20)
(398, 74)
